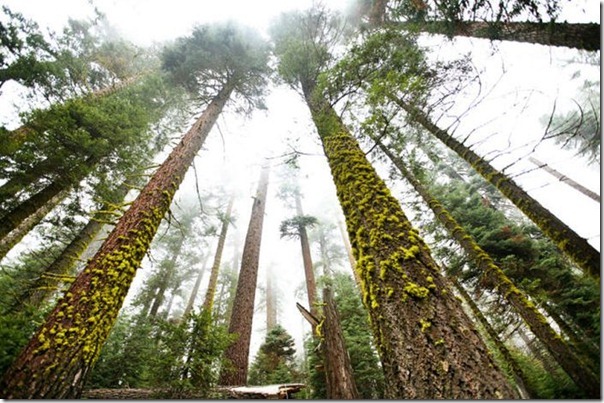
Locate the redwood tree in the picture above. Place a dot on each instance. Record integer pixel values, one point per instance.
(240, 322)
(428, 346)
(57, 360)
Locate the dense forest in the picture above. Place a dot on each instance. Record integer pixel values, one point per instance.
(369, 199)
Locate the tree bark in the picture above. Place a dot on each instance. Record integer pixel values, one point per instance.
(167, 274)
(195, 289)
(58, 359)
(243, 304)
(568, 360)
(567, 240)
(209, 298)
(565, 179)
(309, 273)
(517, 372)
(428, 346)
(584, 36)
(24, 227)
(338, 369)
(351, 258)
(63, 266)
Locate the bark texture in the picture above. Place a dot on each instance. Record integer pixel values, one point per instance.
(243, 303)
(211, 291)
(567, 240)
(428, 346)
(578, 36)
(58, 359)
(494, 276)
(338, 369)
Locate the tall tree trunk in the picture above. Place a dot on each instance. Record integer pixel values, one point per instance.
(58, 359)
(195, 290)
(11, 188)
(546, 360)
(516, 369)
(13, 218)
(309, 273)
(351, 258)
(428, 345)
(567, 240)
(63, 266)
(565, 179)
(496, 278)
(24, 227)
(573, 35)
(271, 304)
(338, 368)
(243, 304)
(167, 274)
(226, 220)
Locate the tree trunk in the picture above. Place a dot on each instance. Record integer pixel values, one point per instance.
(195, 289)
(567, 240)
(428, 345)
(58, 359)
(271, 307)
(243, 304)
(166, 273)
(13, 218)
(565, 179)
(63, 266)
(209, 299)
(24, 227)
(517, 373)
(338, 369)
(11, 188)
(309, 273)
(496, 278)
(351, 259)
(579, 36)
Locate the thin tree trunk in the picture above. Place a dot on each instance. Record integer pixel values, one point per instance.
(565, 179)
(338, 369)
(568, 360)
(196, 286)
(573, 35)
(24, 227)
(209, 298)
(13, 218)
(517, 372)
(309, 273)
(63, 266)
(546, 360)
(243, 304)
(351, 258)
(58, 359)
(567, 240)
(167, 274)
(11, 188)
(271, 307)
(428, 346)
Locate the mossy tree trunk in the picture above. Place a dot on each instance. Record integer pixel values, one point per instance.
(515, 368)
(496, 278)
(63, 265)
(578, 35)
(567, 240)
(211, 291)
(243, 304)
(428, 346)
(58, 359)
(338, 368)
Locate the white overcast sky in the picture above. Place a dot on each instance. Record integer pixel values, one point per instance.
(242, 144)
